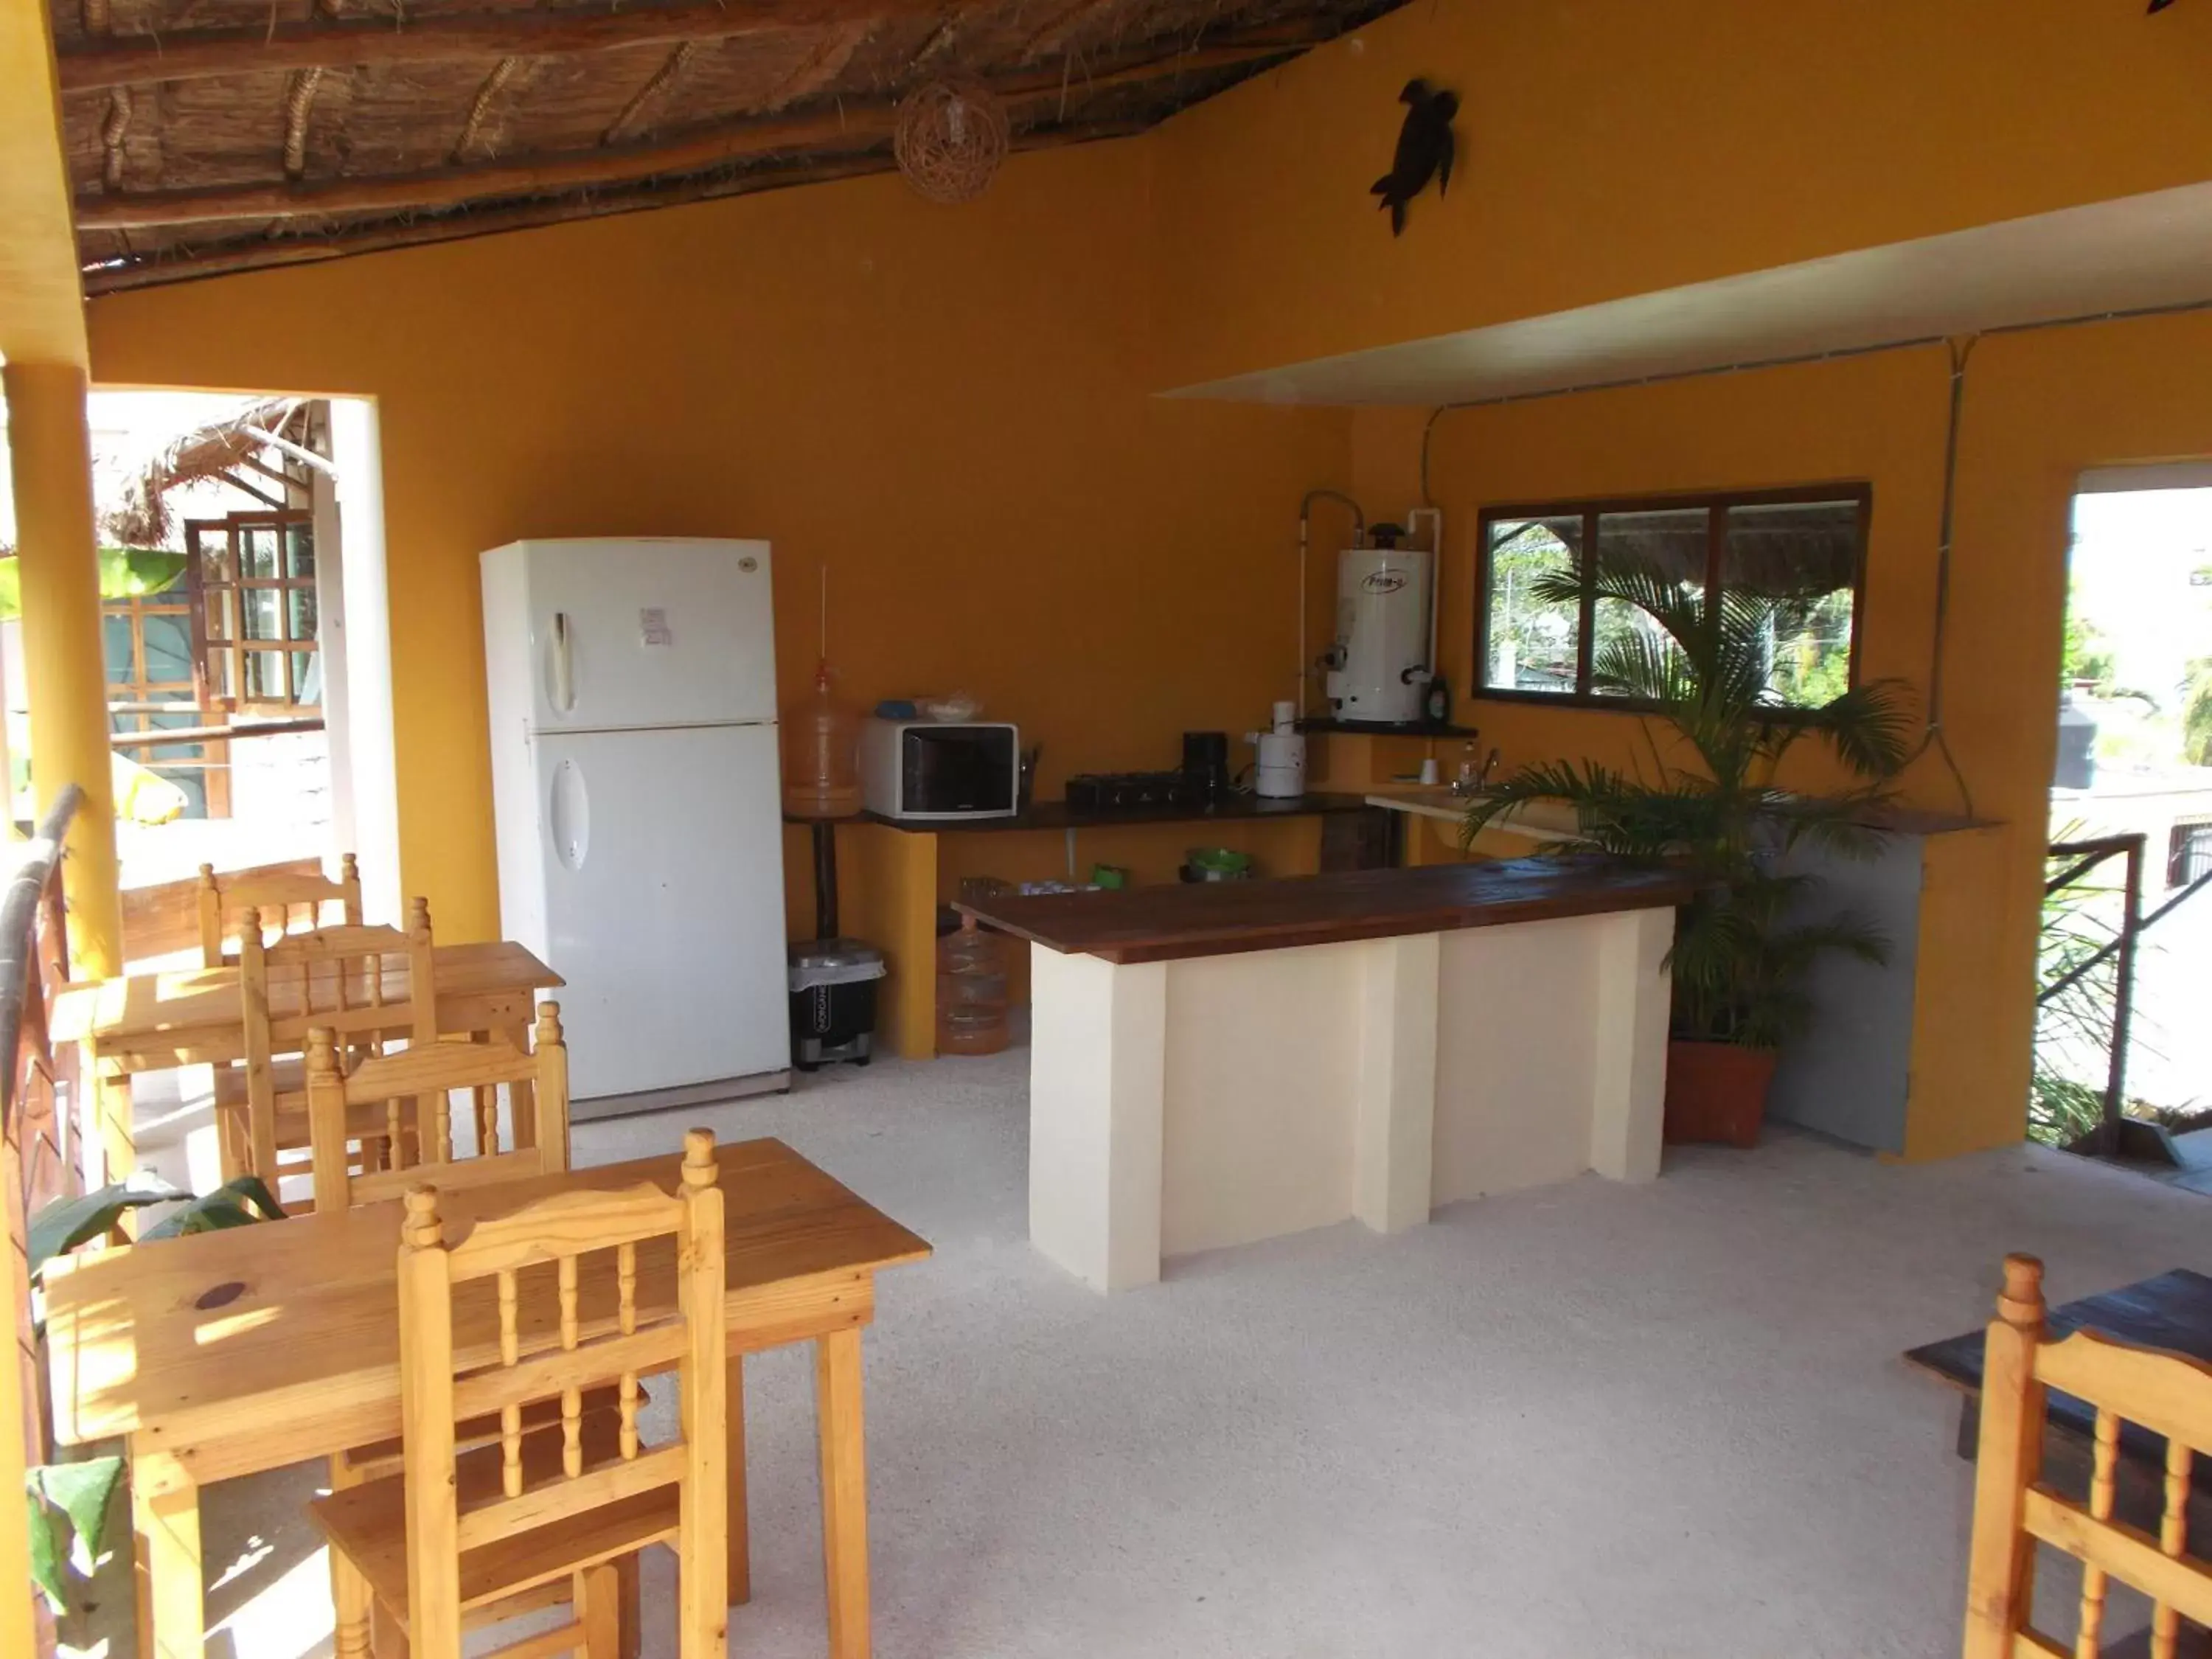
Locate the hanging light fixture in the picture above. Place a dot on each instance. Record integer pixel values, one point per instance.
(950, 138)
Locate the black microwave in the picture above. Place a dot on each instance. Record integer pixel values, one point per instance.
(929, 771)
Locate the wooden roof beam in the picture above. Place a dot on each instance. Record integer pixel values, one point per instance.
(204, 54)
(828, 130)
(260, 253)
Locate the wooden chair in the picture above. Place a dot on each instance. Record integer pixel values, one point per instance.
(367, 985)
(283, 897)
(406, 1100)
(2168, 1395)
(458, 1531)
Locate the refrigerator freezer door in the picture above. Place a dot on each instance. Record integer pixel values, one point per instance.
(663, 861)
(634, 635)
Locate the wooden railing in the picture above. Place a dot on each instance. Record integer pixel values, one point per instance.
(35, 1091)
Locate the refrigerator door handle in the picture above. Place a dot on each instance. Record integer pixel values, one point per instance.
(564, 673)
(568, 817)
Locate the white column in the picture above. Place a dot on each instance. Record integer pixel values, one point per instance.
(330, 636)
(1629, 1079)
(368, 653)
(1097, 1084)
(1394, 1115)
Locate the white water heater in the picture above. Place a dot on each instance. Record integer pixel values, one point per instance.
(1378, 669)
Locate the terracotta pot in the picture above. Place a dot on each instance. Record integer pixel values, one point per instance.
(1716, 1092)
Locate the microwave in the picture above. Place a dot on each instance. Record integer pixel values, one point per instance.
(927, 771)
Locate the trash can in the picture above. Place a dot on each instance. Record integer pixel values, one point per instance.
(833, 1000)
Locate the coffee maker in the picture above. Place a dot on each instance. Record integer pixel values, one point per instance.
(1206, 765)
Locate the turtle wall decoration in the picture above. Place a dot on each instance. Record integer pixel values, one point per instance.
(1426, 146)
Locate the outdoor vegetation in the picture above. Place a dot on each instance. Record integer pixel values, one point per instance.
(1705, 796)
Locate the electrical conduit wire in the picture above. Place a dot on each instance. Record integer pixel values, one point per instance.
(1934, 737)
(1305, 529)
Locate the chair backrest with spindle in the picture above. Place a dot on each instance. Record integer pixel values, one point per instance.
(285, 899)
(369, 985)
(414, 1087)
(2169, 1395)
(599, 1334)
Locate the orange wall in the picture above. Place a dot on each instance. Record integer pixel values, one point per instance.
(950, 405)
(944, 405)
(2040, 407)
(1614, 146)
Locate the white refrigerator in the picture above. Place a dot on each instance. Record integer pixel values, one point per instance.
(632, 693)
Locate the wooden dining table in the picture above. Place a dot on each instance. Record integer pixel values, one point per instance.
(196, 1016)
(229, 1353)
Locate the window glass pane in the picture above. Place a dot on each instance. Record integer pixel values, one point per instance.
(302, 601)
(1532, 646)
(219, 685)
(1798, 560)
(299, 550)
(115, 639)
(265, 677)
(258, 550)
(169, 650)
(262, 614)
(306, 676)
(1670, 542)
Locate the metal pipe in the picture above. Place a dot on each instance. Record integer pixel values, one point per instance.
(1305, 531)
(19, 924)
(2123, 1008)
(304, 456)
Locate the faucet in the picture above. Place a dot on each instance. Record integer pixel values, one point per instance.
(1472, 779)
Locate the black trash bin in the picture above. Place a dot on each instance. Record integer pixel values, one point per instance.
(833, 1000)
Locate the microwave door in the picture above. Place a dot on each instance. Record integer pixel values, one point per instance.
(959, 770)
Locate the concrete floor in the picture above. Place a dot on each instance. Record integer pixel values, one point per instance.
(1588, 1419)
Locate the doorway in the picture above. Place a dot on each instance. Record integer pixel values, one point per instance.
(2124, 1056)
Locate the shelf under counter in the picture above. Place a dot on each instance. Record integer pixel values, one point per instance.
(1056, 815)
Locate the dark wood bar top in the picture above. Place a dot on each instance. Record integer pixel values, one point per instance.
(1210, 919)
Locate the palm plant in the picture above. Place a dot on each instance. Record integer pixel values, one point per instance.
(1744, 945)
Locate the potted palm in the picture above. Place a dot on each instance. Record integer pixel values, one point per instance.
(1709, 801)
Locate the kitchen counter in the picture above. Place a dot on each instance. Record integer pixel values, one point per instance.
(1554, 821)
(1208, 918)
(1217, 1063)
(1058, 815)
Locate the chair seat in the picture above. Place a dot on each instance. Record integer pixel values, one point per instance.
(369, 1523)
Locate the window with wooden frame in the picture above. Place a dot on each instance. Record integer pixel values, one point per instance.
(255, 621)
(1802, 550)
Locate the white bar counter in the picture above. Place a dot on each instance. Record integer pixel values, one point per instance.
(1219, 1063)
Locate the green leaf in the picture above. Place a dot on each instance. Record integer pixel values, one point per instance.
(45, 1552)
(82, 1493)
(61, 1226)
(239, 1203)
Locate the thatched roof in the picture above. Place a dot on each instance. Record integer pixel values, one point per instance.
(208, 136)
(214, 451)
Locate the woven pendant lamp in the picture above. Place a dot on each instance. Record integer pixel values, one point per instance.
(950, 138)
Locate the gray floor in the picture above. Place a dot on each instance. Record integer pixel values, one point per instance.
(1588, 1419)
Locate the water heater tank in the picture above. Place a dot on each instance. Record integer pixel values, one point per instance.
(1379, 668)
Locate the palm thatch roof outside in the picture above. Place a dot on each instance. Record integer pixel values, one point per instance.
(207, 135)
